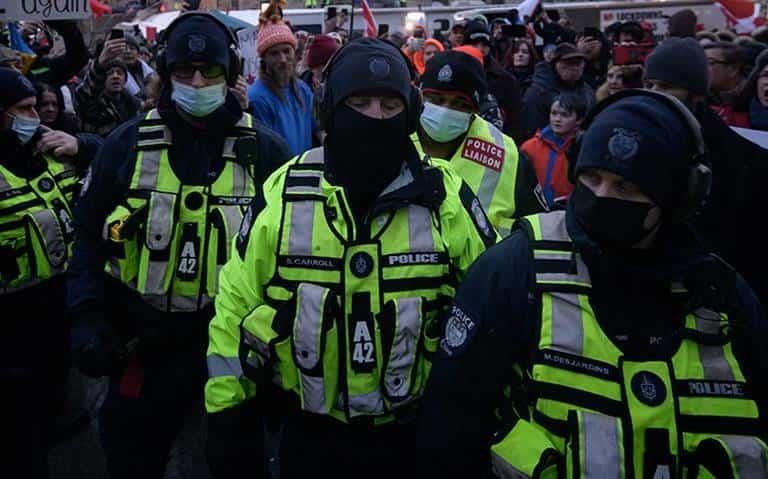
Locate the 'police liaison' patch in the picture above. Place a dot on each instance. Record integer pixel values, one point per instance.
(458, 329)
(484, 153)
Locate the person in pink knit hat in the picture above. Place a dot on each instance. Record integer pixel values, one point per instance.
(278, 99)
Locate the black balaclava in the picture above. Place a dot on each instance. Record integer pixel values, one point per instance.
(365, 154)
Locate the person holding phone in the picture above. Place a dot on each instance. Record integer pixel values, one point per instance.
(594, 45)
(158, 209)
(101, 99)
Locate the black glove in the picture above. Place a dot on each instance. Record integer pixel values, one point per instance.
(94, 345)
(234, 444)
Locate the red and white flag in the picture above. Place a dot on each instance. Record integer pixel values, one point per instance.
(742, 16)
(371, 27)
(526, 9)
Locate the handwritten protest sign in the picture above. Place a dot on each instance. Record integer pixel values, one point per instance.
(11, 10)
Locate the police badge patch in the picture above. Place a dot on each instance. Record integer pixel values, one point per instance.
(196, 43)
(649, 388)
(623, 144)
(458, 329)
(445, 74)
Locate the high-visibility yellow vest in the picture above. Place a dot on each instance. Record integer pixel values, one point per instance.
(609, 416)
(488, 161)
(345, 313)
(178, 236)
(36, 230)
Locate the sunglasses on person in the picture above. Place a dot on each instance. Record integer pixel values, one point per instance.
(187, 71)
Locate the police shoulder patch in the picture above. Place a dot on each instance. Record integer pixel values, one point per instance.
(459, 329)
(477, 213)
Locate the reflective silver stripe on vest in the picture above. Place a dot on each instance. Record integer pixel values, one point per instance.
(257, 346)
(52, 236)
(491, 177)
(220, 366)
(177, 303)
(307, 333)
(567, 324)
(748, 457)
(366, 404)
(158, 238)
(302, 224)
(553, 228)
(4, 185)
(712, 357)
(405, 178)
(600, 441)
(313, 156)
(504, 470)
(150, 169)
(228, 151)
(420, 229)
(398, 375)
(239, 180)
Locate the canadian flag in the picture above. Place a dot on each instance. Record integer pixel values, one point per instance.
(743, 16)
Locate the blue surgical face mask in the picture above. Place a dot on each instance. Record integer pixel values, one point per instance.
(198, 102)
(443, 124)
(25, 128)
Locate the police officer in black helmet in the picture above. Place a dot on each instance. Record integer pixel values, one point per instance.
(604, 338)
(158, 209)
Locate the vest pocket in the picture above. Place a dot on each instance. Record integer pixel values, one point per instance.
(313, 320)
(595, 446)
(401, 322)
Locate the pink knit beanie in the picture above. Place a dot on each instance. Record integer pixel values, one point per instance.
(273, 32)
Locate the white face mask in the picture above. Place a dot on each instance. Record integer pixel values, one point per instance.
(25, 128)
(443, 124)
(198, 102)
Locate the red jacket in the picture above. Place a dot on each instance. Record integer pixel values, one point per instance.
(546, 151)
(732, 117)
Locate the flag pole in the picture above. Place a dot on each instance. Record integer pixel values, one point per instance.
(352, 19)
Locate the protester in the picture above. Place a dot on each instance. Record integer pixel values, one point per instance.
(278, 98)
(450, 129)
(320, 50)
(705, 38)
(456, 36)
(56, 71)
(548, 149)
(158, 210)
(50, 107)
(726, 64)
(101, 100)
(430, 48)
(739, 167)
(620, 77)
(574, 345)
(501, 84)
(563, 75)
(521, 60)
(597, 51)
(682, 24)
(139, 72)
(755, 94)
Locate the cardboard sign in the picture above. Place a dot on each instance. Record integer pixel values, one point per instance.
(247, 40)
(12, 10)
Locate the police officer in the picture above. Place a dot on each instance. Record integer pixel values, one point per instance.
(449, 128)
(602, 341)
(36, 191)
(326, 317)
(159, 207)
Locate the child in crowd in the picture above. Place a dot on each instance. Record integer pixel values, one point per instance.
(547, 149)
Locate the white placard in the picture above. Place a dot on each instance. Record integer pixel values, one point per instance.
(12, 10)
(708, 16)
(247, 39)
(757, 137)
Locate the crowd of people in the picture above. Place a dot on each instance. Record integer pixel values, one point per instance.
(509, 250)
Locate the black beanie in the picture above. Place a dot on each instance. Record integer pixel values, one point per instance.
(196, 37)
(680, 62)
(476, 31)
(646, 142)
(368, 64)
(14, 87)
(455, 72)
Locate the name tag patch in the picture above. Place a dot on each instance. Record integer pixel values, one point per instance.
(484, 153)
